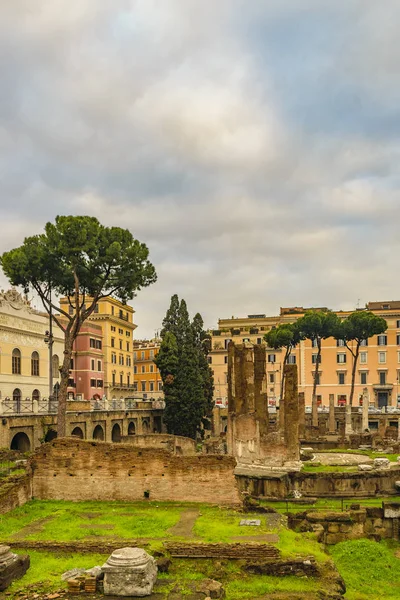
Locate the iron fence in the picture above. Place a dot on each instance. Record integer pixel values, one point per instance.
(17, 406)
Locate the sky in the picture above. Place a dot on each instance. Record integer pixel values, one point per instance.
(253, 145)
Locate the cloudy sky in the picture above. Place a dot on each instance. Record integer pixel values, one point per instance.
(252, 144)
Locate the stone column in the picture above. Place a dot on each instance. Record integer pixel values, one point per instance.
(332, 420)
(398, 430)
(291, 413)
(314, 412)
(365, 407)
(302, 415)
(348, 428)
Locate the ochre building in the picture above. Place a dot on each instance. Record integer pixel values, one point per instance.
(378, 367)
(147, 382)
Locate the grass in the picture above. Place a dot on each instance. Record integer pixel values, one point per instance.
(369, 453)
(370, 570)
(328, 504)
(248, 588)
(220, 525)
(47, 567)
(318, 468)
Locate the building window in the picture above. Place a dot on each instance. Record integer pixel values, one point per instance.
(135, 369)
(226, 343)
(271, 358)
(340, 343)
(209, 360)
(398, 324)
(99, 383)
(113, 378)
(128, 333)
(121, 359)
(314, 343)
(291, 360)
(272, 377)
(151, 369)
(342, 401)
(151, 354)
(36, 395)
(363, 378)
(92, 364)
(160, 386)
(134, 385)
(92, 343)
(318, 378)
(35, 364)
(121, 331)
(71, 382)
(382, 340)
(121, 379)
(114, 358)
(17, 395)
(120, 344)
(142, 355)
(16, 362)
(112, 328)
(314, 359)
(128, 361)
(143, 369)
(246, 340)
(382, 357)
(92, 383)
(398, 339)
(226, 360)
(98, 344)
(99, 365)
(364, 343)
(382, 377)
(71, 364)
(112, 342)
(364, 357)
(143, 386)
(259, 341)
(96, 308)
(341, 358)
(128, 380)
(151, 386)
(127, 346)
(341, 378)
(134, 356)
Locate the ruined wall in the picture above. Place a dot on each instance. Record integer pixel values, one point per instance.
(321, 485)
(15, 493)
(72, 469)
(176, 444)
(336, 527)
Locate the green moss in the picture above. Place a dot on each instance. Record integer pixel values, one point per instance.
(370, 570)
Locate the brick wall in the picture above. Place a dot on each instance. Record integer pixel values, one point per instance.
(15, 493)
(241, 551)
(73, 469)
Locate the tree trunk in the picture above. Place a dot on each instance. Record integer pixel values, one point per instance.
(314, 393)
(62, 394)
(353, 372)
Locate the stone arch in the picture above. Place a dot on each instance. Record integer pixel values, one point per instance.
(77, 432)
(50, 435)
(98, 433)
(20, 442)
(131, 428)
(145, 426)
(36, 395)
(116, 433)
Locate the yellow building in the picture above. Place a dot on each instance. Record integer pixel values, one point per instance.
(116, 321)
(24, 354)
(148, 382)
(378, 367)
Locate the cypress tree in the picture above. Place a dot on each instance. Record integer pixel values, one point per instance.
(202, 342)
(187, 379)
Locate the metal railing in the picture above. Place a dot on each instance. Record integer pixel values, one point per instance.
(17, 406)
(50, 406)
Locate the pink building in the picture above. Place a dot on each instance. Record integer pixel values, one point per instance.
(87, 364)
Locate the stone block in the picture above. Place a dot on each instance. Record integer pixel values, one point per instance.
(333, 527)
(211, 588)
(129, 572)
(381, 463)
(363, 467)
(12, 566)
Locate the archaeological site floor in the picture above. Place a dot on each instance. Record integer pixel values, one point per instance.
(60, 535)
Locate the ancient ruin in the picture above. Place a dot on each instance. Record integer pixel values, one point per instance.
(129, 572)
(250, 437)
(12, 566)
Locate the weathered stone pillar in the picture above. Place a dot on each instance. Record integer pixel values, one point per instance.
(348, 427)
(302, 415)
(332, 420)
(398, 430)
(291, 413)
(365, 407)
(314, 412)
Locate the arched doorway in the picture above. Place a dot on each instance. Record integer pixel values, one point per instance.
(50, 435)
(17, 400)
(98, 433)
(131, 428)
(77, 432)
(145, 426)
(116, 433)
(36, 395)
(20, 442)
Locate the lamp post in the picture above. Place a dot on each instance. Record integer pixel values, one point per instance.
(49, 341)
